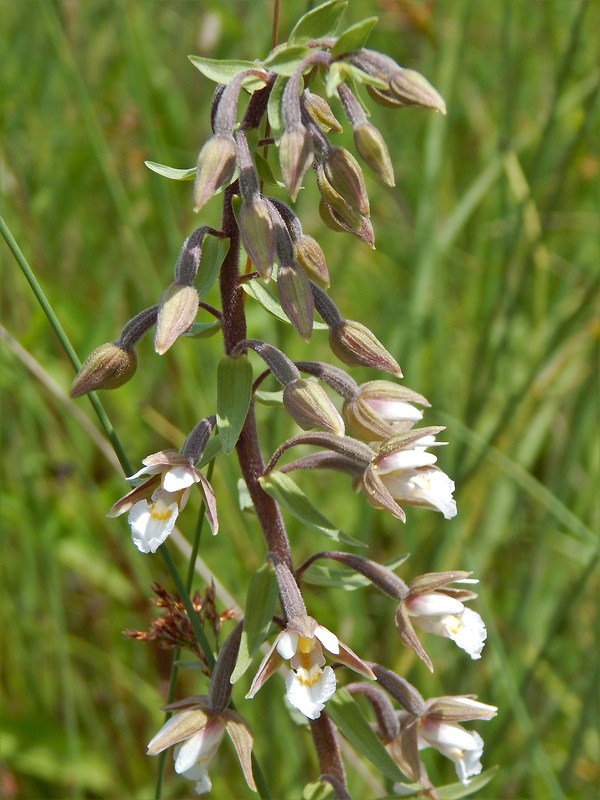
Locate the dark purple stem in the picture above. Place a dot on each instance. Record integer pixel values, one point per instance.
(248, 448)
(327, 747)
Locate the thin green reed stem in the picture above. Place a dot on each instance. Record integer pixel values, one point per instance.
(198, 535)
(65, 343)
(160, 770)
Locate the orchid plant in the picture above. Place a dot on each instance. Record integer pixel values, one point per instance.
(283, 106)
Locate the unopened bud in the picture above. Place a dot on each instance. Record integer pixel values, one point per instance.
(413, 89)
(311, 408)
(372, 147)
(311, 258)
(378, 407)
(344, 175)
(108, 367)
(320, 112)
(295, 157)
(176, 314)
(257, 234)
(216, 167)
(296, 297)
(356, 345)
(334, 222)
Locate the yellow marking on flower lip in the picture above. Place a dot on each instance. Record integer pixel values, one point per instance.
(453, 623)
(161, 517)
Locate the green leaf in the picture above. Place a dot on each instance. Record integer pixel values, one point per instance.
(454, 791)
(171, 172)
(354, 37)
(211, 451)
(265, 173)
(203, 330)
(270, 303)
(318, 790)
(214, 250)
(244, 500)
(285, 59)
(288, 494)
(224, 70)
(274, 107)
(260, 605)
(340, 578)
(234, 390)
(272, 399)
(341, 71)
(322, 21)
(352, 723)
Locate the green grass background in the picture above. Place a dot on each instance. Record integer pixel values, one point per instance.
(483, 284)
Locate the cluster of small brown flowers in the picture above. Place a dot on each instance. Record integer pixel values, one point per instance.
(368, 431)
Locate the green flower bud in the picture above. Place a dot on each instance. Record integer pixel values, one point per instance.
(321, 113)
(333, 221)
(176, 314)
(412, 89)
(311, 258)
(356, 345)
(296, 297)
(257, 234)
(108, 367)
(350, 218)
(372, 147)
(295, 157)
(344, 174)
(216, 167)
(311, 408)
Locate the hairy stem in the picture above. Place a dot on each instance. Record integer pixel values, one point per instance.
(248, 448)
(327, 747)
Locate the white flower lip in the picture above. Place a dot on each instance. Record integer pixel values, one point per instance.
(151, 523)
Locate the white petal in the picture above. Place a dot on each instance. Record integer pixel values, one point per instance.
(198, 773)
(395, 410)
(178, 478)
(471, 633)
(406, 459)
(426, 487)
(143, 472)
(287, 644)
(328, 639)
(151, 523)
(433, 604)
(310, 699)
(201, 747)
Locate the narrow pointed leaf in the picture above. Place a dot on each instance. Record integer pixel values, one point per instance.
(454, 791)
(340, 578)
(223, 70)
(288, 494)
(355, 37)
(271, 303)
(260, 604)
(214, 250)
(274, 107)
(285, 59)
(203, 330)
(352, 723)
(234, 390)
(171, 172)
(322, 21)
